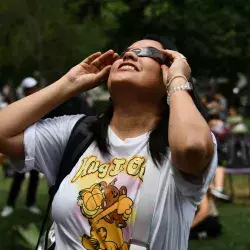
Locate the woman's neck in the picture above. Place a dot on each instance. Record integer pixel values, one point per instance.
(133, 122)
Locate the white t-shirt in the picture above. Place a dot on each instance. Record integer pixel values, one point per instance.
(96, 204)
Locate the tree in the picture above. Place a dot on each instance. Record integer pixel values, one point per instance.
(44, 36)
(54, 35)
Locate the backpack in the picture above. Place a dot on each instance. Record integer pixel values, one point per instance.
(239, 154)
(80, 139)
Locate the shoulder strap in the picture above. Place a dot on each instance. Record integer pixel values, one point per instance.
(145, 212)
(80, 139)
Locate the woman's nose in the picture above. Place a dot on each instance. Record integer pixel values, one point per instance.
(130, 55)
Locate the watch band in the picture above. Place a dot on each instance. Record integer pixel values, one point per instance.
(185, 87)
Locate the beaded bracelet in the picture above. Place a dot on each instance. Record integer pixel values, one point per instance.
(186, 86)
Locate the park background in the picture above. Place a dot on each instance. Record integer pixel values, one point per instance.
(46, 38)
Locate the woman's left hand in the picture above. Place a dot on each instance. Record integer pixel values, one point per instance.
(179, 66)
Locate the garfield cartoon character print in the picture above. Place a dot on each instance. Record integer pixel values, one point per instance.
(107, 199)
(107, 209)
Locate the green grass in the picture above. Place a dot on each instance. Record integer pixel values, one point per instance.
(235, 219)
(8, 235)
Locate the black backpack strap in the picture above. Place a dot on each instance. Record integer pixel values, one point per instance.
(80, 139)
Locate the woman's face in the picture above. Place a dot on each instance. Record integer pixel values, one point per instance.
(137, 74)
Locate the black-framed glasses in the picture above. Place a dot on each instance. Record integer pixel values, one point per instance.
(151, 52)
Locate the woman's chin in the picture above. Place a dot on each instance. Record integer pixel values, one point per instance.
(122, 79)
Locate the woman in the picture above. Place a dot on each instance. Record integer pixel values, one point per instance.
(206, 221)
(137, 125)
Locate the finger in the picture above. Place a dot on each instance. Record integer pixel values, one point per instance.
(115, 57)
(164, 73)
(91, 58)
(164, 67)
(173, 54)
(111, 60)
(103, 74)
(90, 68)
(103, 60)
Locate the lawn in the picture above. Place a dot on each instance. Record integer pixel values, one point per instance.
(234, 217)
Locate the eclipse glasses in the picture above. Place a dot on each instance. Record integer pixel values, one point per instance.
(151, 52)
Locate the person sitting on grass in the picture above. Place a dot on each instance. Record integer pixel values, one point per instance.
(206, 222)
(221, 131)
(236, 122)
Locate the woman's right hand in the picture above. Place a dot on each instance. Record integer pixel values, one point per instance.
(84, 76)
(92, 71)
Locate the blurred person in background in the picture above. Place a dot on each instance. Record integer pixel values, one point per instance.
(221, 105)
(6, 98)
(236, 121)
(216, 102)
(234, 117)
(221, 132)
(3, 100)
(75, 105)
(238, 146)
(5, 165)
(7, 94)
(206, 223)
(29, 86)
(209, 94)
(7, 169)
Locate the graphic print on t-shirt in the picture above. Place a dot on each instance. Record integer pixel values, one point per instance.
(106, 202)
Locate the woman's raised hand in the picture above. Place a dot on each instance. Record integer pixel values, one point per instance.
(179, 66)
(92, 71)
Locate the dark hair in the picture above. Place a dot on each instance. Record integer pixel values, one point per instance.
(26, 89)
(214, 116)
(166, 43)
(158, 139)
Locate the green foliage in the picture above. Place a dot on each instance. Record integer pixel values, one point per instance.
(46, 36)
(52, 36)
